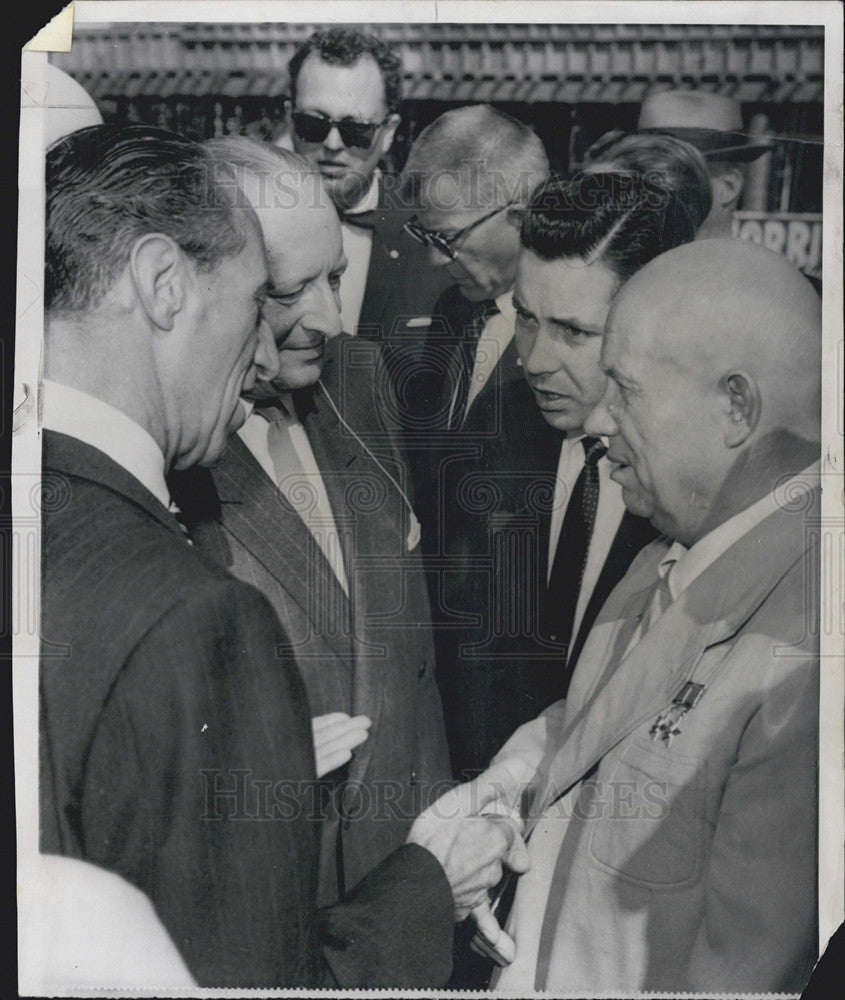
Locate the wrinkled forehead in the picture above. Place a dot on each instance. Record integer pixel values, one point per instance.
(305, 232)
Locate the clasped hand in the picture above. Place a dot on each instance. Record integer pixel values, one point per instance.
(472, 845)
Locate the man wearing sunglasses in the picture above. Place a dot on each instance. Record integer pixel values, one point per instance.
(477, 443)
(346, 88)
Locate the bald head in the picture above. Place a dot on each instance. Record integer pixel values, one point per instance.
(721, 305)
(713, 352)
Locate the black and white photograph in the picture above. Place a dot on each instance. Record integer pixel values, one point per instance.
(428, 501)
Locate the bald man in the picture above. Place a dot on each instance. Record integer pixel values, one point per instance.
(674, 807)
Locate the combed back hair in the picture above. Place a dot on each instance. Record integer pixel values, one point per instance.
(279, 171)
(344, 47)
(500, 160)
(619, 218)
(670, 162)
(109, 185)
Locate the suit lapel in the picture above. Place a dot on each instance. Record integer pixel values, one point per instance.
(708, 612)
(262, 519)
(344, 463)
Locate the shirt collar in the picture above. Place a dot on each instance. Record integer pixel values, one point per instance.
(370, 200)
(684, 565)
(109, 430)
(504, 303)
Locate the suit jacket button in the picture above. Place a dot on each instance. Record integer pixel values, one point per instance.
(422, 669)
(413, 776)
(347, 823)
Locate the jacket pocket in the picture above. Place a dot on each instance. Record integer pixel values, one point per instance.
(651, 827)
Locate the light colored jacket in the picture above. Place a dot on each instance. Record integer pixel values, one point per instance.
(687, 865)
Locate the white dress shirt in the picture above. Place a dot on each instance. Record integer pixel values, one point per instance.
(292, 467)
(109, 430)
(609, 513)
(357, 248)
(495, 336)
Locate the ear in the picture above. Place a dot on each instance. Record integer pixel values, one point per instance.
(727, 187)
(744, 407)
(157, 266)
(389, 131)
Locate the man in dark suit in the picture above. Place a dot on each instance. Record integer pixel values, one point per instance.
(310, 505)
(481, 455)
(345, 94)
(175, 746)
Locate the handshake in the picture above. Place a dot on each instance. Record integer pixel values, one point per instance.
(473, 831)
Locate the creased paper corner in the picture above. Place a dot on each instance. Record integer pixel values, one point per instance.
(55, 36)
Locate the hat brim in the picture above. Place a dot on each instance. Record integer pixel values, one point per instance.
(718, 145)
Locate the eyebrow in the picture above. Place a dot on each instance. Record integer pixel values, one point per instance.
(571, 324)
(519, 305)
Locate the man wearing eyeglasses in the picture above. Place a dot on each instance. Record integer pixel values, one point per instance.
(346, 88)
(480, 450)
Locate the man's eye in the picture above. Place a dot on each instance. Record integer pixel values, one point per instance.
(334, 280)
(523, 316)
(286, 298)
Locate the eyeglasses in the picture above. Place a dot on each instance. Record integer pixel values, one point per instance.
(311, 127)
(439, 241)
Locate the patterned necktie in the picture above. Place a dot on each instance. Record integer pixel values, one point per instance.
(561, 597)
(481, 312)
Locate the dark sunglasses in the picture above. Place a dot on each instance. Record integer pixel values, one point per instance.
(354, 135)
(439, 241)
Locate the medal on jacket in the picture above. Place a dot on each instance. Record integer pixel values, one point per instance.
(667, 724)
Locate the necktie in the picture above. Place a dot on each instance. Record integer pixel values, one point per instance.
(305, 492)
(362, 220)
(557, 612)
(481, 312)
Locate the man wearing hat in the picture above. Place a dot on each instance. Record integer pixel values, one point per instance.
(713, 124)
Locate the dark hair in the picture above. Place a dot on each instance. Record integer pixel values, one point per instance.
(671, 162)
(623, 219)
(342, 47)
(108, 185)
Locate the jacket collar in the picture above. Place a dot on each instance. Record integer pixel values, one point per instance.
(65, 454)
(607, 706)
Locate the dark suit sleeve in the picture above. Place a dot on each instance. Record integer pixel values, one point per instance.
(196, 789)
(395, 928)
(199, 788)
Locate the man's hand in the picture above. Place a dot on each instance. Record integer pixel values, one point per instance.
(471, 848)
(335, 737)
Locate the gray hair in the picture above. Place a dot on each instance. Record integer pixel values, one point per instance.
(280, 172)
(498, 159)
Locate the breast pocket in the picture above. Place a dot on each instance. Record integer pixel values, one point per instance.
(651, 829)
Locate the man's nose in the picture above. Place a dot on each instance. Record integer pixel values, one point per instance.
(542, 358)
(324, 315)
(333, 140)
(600, 420)
(266, 360)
